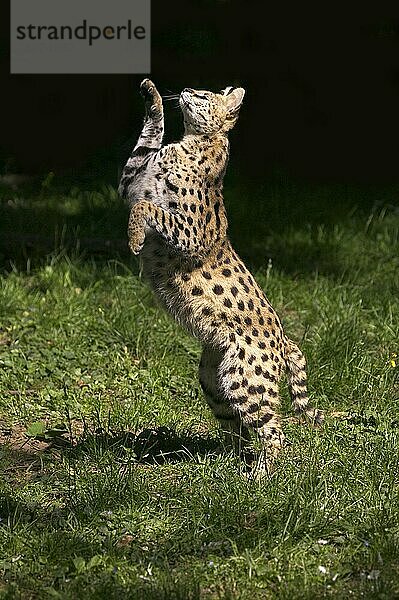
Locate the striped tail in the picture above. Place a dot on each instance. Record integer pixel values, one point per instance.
(297, 382)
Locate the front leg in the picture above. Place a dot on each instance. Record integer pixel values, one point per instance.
(150, 139)
(153, 129)
(172, 227)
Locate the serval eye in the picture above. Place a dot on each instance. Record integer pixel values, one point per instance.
(200, 96)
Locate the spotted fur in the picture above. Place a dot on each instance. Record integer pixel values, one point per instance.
(178, 224)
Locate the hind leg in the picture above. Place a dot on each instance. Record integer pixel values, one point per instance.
(236, 433)
(251, 389)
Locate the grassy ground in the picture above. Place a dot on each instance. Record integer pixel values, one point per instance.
(111, 486)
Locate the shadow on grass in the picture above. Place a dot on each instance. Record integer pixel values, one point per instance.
(153, 446)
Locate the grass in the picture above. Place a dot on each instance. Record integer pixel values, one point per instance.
(112, 486)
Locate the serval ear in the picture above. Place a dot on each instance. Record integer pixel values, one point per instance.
(234, 98)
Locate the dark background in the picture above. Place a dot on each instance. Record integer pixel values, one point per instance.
(322, 93)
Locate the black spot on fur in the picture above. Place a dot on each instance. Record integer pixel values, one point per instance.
(142, 151)
(241, 399)
(172, 187)
(263, 420)
(197, 291)
(217, 207)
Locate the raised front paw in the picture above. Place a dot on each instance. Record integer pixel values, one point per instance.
(138, 226)
(152, 98)
(136, 231)
(136, 242)
(147, 89)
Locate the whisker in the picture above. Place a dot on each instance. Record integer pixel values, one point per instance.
(170, 97)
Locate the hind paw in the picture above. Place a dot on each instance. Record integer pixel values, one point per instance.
(315, 417)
